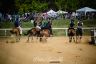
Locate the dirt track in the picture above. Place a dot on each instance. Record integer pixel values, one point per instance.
(57, 50)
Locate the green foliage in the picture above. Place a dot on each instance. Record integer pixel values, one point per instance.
(31, 6)
(6, 24)
(22, 6)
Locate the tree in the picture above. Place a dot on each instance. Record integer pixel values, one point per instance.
(22, 6)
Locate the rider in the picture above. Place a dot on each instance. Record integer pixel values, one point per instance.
(71, 26)
(44, 25)
(79, 28)
(79, 24)
(17, 23)
(47, 24)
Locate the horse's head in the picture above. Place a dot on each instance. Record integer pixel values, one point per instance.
(15, 30)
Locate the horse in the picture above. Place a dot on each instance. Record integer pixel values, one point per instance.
(16, 31)
(44, 34)
(79, 34)
(71, 34)
(32, 32)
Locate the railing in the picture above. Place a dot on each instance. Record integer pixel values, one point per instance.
(5, 30)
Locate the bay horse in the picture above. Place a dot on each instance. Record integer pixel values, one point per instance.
(32, 32)
(79, 33)
(71, 34)
(44, 34)
(16, 31)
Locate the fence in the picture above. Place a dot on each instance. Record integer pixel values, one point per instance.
(5, 32)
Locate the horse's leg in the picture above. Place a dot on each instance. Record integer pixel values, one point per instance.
(37, 36)
(80, 38)
(70, 38)
(32, 37)
(40, 39)
(28, 38)
(17, 37)
(45, 38)
(74, 38)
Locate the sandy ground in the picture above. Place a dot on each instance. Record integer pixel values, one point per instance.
(57, 50)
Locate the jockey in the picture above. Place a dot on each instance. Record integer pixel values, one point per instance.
(79, 28)
(47, 25)
(17, 24)
(44, 24)
(79, 24)
(71, 26)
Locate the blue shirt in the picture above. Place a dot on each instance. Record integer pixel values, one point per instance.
(17, 22)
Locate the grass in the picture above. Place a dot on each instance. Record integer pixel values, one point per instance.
(60, 23)
(55, 23)
(90, 23)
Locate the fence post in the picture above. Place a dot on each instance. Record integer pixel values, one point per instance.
(5, 32)
(66, 31)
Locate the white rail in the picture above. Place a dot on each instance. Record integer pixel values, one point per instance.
(5, 30)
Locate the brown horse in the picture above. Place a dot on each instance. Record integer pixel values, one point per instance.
(44, 34)
(31, 33)
(71, 34)
(79, 33)
(16, 31)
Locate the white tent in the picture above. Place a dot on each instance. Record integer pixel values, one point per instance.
(61, 12)
(52, 13)
(85, 10)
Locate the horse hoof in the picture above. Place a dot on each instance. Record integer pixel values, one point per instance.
(70, 41)
(7, 41)
(17, 41)
(40, 39)
(27, 41)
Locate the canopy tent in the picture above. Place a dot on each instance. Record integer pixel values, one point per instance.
(52, 13)
(85, 10)
(61, 12)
